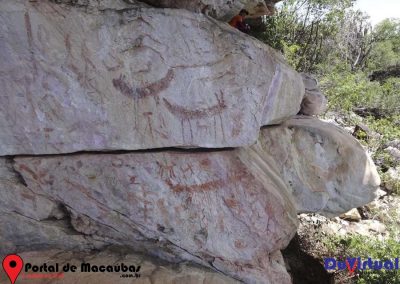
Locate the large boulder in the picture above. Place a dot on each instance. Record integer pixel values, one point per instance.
(97, 5)
(133, 78)
(314, 102)
(220, 9)
(219, 209)
(230, 210)
(103, 75)
(327, 170)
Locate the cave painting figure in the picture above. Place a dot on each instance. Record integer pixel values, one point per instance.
(238, 21)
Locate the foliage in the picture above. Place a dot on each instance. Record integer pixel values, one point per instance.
(389, 128)
(347, 90)
(394, 184)
(386, 51)
(315, 32)
(338, 45)
(364, 247)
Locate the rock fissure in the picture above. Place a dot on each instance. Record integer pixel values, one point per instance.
(165, 132)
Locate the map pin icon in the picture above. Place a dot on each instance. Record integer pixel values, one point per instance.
(12, 265)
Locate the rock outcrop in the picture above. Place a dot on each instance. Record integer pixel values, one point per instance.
(97, 97)
(327, 170)
(208, 208)
(76, 81)
(231, 210)
(314, 102)
(220, 9)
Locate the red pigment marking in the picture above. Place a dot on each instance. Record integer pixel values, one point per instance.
(132, 180)
(231, 203)
(185, 113)
(27, 169)
(121, 85)
(119, 64)
(188, 168)
(239, 244)
(205, 163)
(28, 27)
(207, 186)
(27, 196)
(166, 169)
(29, 33)
(68, 44)
(156, 87)
(152, 89)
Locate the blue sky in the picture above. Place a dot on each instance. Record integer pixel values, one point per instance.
(379, 9)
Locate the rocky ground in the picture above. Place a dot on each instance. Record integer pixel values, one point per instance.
(304, 255)
(319, 237)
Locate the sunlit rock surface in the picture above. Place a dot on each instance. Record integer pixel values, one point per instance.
(130, 79)
(314, 102)
(220, 9)
(125, 86)
(214, 208)
(326, 168)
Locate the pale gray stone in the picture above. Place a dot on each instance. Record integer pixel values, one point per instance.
(326, 168)
(352, 215)
(129, 79)
(314, 102)
(220, 9)
(219, 209)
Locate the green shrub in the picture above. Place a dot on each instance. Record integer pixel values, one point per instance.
(389, 127)
(364, 247)
(347, 90)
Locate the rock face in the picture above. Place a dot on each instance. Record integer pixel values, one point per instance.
(151, 270)
(230, 210)
(77, 81)
(209, 208)
(102, 75)
(394, 153)
(327, 170)
(220, 9)
(314, 102)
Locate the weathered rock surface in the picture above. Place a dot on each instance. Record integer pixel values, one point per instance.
(102, 75)
(353, 215)
(152, 271)
(230, 210)
(96, 5)
(394, 153)
(217, 209)
(220, 9)
(314, 102)
(315, 224)
(395, 144)
(133, 78)
(392, 181)
(327, 169)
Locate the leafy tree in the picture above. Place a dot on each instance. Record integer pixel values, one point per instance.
(306, 30)
(386, 51)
